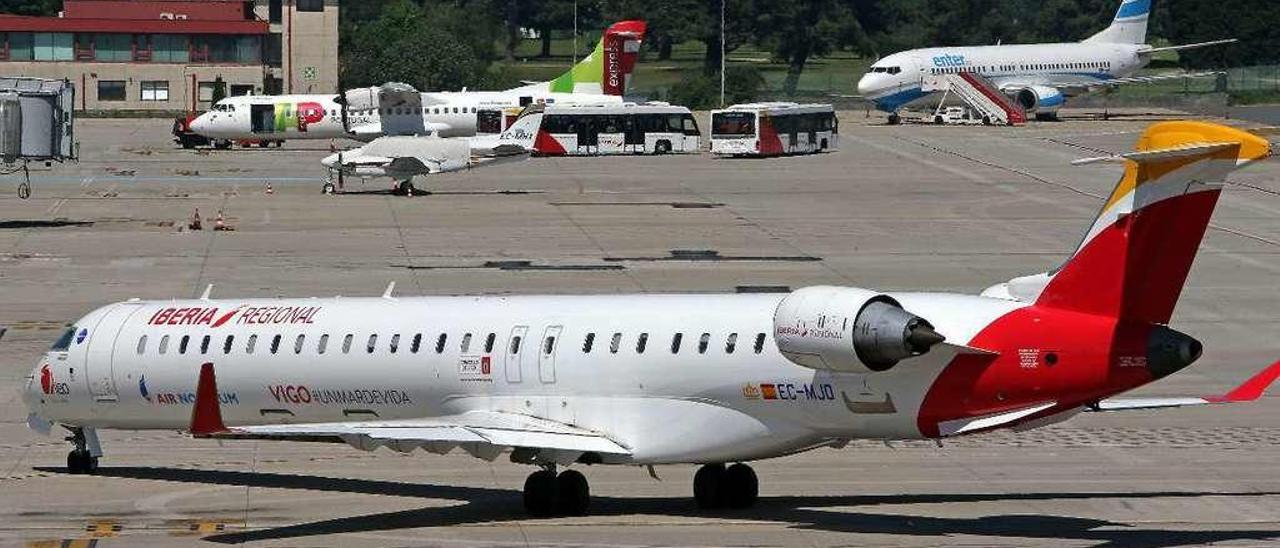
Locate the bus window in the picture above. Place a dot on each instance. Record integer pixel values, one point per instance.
(690, 125)
(733, 124)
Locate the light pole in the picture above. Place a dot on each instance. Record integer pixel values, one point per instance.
(575, 33)
(722, 2)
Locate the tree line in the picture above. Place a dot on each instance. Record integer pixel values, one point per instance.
(450, 44)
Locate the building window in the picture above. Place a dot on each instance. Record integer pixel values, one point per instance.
(241, 89)
(275, 11)
(310, 5)
(111, 47)
(155, 90)
(170, 48)
(111, 90)
(20, 46)
(54, 46)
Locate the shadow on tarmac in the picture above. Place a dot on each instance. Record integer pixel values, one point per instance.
(824, 513)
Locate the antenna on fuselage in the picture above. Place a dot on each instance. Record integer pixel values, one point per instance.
(390, 288)
(208, 289)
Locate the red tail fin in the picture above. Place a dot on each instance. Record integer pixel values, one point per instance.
(622, 42)
(1135, 258)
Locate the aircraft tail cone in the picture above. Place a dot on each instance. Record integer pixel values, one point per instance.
(921, 337)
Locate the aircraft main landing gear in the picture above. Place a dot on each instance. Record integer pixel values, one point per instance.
(82, 460)
(717, 486)
(406, 188)
(547, 494)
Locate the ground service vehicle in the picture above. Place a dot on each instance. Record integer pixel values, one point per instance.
(627, 128)
(773, 129)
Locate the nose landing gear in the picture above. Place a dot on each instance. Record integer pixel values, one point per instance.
(84, 458)
(547, 494)
(717, 486)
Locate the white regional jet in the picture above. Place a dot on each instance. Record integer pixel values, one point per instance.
(1038, 76)
(402, 158)
(716, 380)
(398, 109)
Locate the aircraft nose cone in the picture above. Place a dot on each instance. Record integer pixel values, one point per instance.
(330, 161)
(865, 86)
(200, 124)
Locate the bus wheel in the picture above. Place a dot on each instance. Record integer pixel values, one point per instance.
(661, 147)
(894, 119)
(824, 145)
(937, 119)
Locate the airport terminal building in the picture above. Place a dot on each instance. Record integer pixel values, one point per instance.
(167, 55)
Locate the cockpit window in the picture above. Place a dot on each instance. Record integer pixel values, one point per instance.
(888, 70)
(64, 342)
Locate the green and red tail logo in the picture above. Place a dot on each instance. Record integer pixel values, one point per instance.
(608, 69)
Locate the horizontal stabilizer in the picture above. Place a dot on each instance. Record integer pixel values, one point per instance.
(987, 422)
(1189, 46)
(1249, 390)
(1159, 155)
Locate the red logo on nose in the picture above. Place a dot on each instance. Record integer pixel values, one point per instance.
(46, 379)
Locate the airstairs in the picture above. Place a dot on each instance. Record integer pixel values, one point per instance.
(992, 106)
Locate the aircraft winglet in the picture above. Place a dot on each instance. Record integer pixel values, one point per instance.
(206, 414)
(1251, 389)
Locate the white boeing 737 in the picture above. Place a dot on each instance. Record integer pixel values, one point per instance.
(1039, 77)
(716, 380)
(398, 109)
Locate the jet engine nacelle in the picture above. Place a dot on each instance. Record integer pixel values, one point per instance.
(848, 329)
(1040, 99)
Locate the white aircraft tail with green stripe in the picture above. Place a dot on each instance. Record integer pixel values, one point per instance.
(607, 70)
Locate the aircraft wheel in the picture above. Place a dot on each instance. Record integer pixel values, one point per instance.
(406, 188)
(541, 491)
(79, 461)
(894, 119)
(707, 486)
(575, 493)
(329, 188)
(740, 486)
(937, 119)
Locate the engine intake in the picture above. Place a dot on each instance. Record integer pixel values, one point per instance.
(849, 330)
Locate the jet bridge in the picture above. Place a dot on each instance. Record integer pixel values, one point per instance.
(992, 105)
(36, 124)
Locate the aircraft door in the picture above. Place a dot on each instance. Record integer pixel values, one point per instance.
(100, 350)
(633, 131)
(588, 133)
(547, 354)
(262, 118)
(515, 348)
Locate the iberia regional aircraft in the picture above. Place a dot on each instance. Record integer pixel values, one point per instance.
(1038, 76)
(398, 109)
(716, 380)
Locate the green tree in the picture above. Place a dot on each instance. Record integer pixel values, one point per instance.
(405, 45)
(1252, 22)
(799, 30)
(31, 7)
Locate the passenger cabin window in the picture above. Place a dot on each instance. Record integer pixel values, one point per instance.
(164, 344)
(182, 344)
(253, 341)
(323, 344)
(142, 344)
(226, 344)
(346, 343)
(641, 342)
(731, 343)
(675, 342)
(759, 346)
(275, 344)
(703, 342)
(587, 342)
(416, 343)
(548, 346)
(615, 343)
(373, 342)
(440, 342)
(395, 343)
(466, 343)
(488, 342)
(515, 345)
(297, 344)
(204, 344)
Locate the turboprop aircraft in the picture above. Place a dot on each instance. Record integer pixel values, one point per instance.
(1039, 77)
(403, 157)
(716, 380)
(399, 109)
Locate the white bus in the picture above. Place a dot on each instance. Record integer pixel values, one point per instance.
(627, 128)
(773, 129)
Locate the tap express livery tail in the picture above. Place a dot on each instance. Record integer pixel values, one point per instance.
(607, 70)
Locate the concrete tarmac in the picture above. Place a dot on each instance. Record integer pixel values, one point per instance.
(906, 207)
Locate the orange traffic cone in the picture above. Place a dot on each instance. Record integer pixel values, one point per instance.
(195, 221)
(269, 189)
(219, 223)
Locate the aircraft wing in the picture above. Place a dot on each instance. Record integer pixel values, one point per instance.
(484, 434)
(1248, 391)
(1116, 82)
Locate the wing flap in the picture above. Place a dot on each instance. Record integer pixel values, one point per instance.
(484, 433)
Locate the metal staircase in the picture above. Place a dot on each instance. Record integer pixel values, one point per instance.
(992, 106)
